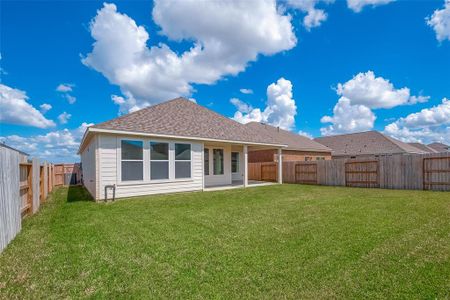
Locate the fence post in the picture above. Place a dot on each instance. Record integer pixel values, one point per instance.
(35, 167)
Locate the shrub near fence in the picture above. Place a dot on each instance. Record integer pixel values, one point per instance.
(407, 171)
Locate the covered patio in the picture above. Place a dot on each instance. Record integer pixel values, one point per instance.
(226, 166)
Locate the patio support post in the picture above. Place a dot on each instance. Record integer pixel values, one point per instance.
(245, 165)
(280, 166)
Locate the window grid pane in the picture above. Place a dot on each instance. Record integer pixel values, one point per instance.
(182, 169)
(132, 150)
(182, 151)
(206, 160)
(132, 170)
(159, 170)
(159, 151)
(218, 161)
(234, 162)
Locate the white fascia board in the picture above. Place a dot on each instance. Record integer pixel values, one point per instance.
(99, 130)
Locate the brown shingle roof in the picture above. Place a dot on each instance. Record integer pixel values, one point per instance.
(292, 140)
(439, 147)
(423, 147)
(365, 143)
(184, 118)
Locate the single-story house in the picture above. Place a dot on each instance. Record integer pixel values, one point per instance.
(299, 147)
(439, 147)
(423, 147)
(175, 146)
(366, 144)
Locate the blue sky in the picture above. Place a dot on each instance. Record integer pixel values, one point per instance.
(392, 64)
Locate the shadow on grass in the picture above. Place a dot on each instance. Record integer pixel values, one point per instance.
(78, 193)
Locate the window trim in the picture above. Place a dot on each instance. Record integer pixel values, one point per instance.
(175, 160)
(119, 158)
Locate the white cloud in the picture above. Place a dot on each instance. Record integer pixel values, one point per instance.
(65, 87)
(436, 115)
(235, 34)
(358, 97)
(45, 107)
(280, 108)
(308, 135)
(15, 109)
(440, 21)
(241, 105)
(376, 92)
(427, 125)
(70, 99)
(55, 146)
(246, 91)
(128, 104)
(358, 5)
(314, 16)
(64, 118)
(348, 118)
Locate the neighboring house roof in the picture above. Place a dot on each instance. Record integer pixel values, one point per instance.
(366, 143)
(423, 147)
(439, 147)
(9, 147)
(292, 140)
(182, 118)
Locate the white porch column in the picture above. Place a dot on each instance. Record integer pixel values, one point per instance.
(245, 166)
(280, 166)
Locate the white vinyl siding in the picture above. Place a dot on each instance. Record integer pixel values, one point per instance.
(88, 164)
(110, 170)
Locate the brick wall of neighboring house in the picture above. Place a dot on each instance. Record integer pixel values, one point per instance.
(288, 155)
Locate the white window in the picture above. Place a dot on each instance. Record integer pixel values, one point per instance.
(218, 161)
(234, 162)
(182, 160)
(132, 164)
(206, 160)
(159, 160)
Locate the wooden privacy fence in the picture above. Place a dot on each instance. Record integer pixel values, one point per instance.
(24, 185)
(407, 171)
(265, 171)
(305, 173)
(436, 173)
(362, 174)
(67, 174)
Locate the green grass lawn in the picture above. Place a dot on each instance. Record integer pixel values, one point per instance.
(281, 241)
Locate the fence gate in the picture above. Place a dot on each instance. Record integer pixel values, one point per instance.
(436, 173)
(269, 172)
(306, 173)
(362, 174)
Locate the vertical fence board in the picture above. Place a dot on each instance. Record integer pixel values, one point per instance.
(35, 184)
(10, 216)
